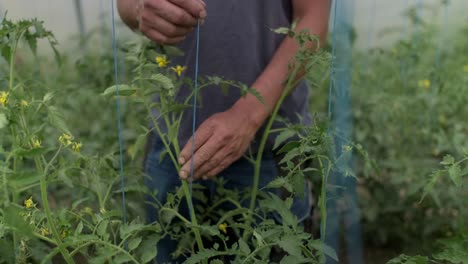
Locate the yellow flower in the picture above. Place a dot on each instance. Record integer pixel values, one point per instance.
(65, 233)
(162, 61)
(223, 227)
(76, 146)
(44, 231)
(24, 103)
(66, 139)
(465, 68)
(29, 203)
(179, 70)
(36, 143)
(3, 98)
(131, 150)
(424, 83)
(88, 210)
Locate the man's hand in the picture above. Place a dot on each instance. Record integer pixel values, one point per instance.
(219, 141)
(165, 22)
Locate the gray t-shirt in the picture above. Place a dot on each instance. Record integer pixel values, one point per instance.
(237, 43)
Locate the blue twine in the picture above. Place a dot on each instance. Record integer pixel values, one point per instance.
(197, 51)
(116, 75)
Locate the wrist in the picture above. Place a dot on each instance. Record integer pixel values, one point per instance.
(255, 111)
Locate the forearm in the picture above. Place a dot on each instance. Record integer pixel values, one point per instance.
(271, 83)
(128, 12)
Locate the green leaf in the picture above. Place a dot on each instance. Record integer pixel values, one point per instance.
(280, 182)
(30, 153)
(122, 258)
(209, 230)
(431, 184)
(147, 249)
(455, 174)
(3, 120)
(282, 137)
(325, 249)
(134, 243)
(259, 238)
(47, 97)
(139, 145)
(249, 90)
(290, 155)
(79, 228)
(102, 229)
(275, 204)
(281, 30)
(289, 146)
(454, 252)
(124, 90)
(244, 247)
(163, 154)
(167, 216)
(216, 80)
(404, 259)
(8, 252)
(202, 255)
(291, 245)
(298, 183)
(164, 81)
(24, 178)
(448, 160)
(128, 229)
(295, 260)
(57, 119)
(12, 217)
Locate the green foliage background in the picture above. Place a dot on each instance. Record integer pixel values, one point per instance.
(415, 202)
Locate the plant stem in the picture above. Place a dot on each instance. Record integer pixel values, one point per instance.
(91, 242)
(193, 217)
(289, 86)
(257, 250)
(5, 185)
(185, 186)
(14, 135)
(45, 204)
(106, 244)
(163, 140)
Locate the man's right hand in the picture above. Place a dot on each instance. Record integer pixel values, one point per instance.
(165, 22)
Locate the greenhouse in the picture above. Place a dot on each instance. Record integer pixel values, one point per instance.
(203, 131)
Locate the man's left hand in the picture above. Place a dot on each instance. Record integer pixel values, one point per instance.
(219, 141)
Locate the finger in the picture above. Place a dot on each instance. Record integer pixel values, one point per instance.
(151, 20)
(202, 155)
(173, 13)
(203, 133)
(212, 163)
(220, 167)
(160, 38)
(195, 8)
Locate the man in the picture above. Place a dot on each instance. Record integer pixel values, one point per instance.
(236, 43)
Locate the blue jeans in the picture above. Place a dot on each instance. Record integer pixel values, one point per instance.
(164, 178)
